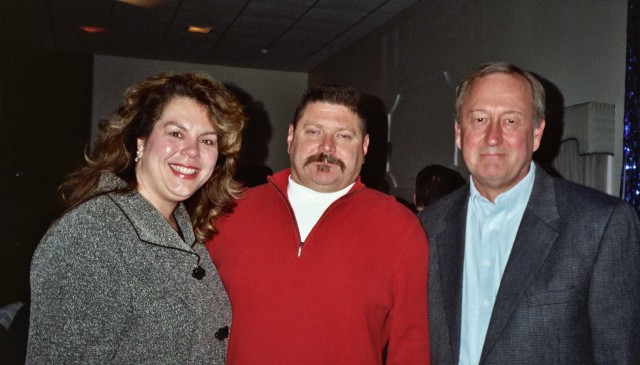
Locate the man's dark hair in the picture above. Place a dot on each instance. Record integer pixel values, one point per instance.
(347, 96)
(435, 181)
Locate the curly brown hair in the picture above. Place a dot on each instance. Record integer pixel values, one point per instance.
(141, 107)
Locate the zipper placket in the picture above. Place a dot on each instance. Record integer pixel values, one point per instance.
(293, 215)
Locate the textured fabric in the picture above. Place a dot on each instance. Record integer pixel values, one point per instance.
(490, 233)
(569, 293)
(112, 283)
(358, 286)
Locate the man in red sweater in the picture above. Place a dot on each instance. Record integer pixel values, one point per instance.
(319, 268)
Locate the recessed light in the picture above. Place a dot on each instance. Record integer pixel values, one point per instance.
(92, 29)
(196, 29)
(144, 3)
(264, 51)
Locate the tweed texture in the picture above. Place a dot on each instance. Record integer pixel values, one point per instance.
(569, 293)
(112, 283)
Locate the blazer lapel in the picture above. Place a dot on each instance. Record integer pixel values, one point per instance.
(537, 233)
(451, 257)
(151, 226)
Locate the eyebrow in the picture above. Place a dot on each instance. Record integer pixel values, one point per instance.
(182, 128)
(319, 126)
(505, 112)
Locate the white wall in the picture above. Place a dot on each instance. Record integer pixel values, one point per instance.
(577, 45)
(278, 92)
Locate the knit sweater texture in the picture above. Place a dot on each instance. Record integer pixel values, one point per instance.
(356, 294)
(111, 283)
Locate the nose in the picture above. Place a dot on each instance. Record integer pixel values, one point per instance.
(327, 144)
(494, 133)
(190, 148)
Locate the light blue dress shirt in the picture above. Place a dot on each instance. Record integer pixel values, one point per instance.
(490, 232)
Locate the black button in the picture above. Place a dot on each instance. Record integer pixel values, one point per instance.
(198, 272)
(222, 333)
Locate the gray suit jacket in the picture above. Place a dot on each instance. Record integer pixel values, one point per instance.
(570, 293)
(111, 283)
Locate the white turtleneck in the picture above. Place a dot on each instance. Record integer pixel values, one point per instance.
(308, 205)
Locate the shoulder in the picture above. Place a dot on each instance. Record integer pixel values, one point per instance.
(572, 207)
(257, 193)
(578, 200)
(577, 203)
(369, 197)
(87, 213)
(380, 211)
(86, 227)
(452, 203)
(84, 244)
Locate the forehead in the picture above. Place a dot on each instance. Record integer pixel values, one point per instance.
(500, 90)
(184, 104)
(329, 115)
(183, 109)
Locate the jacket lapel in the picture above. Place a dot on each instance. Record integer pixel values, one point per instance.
(150, 225)
(451, 257)
(536, 234)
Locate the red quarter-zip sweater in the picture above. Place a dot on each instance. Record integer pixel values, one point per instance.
(358, 287)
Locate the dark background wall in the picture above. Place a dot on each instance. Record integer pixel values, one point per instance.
(577, 46)
(45, 113)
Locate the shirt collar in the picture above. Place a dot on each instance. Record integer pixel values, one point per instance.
(516, 196)
(304, 192)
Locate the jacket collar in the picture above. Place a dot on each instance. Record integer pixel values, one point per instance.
(147, 221)
(281, 180)
(450, 253)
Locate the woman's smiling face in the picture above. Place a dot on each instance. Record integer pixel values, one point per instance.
(179, 155)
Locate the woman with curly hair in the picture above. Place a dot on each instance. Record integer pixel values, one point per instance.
(122, 276)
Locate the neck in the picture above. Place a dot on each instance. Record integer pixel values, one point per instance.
(172, 222)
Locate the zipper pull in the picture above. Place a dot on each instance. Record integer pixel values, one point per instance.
(300, 250)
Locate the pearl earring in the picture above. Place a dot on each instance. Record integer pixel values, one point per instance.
(138, 156)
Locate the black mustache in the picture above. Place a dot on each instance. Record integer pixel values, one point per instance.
(325, 158)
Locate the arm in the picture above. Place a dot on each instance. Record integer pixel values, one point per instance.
(78, 300)
(614, 302)
(408, 323)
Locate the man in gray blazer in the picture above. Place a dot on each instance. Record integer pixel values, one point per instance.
(526, 268)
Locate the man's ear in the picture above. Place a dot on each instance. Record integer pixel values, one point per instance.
(365, 144)
(458, 131)
(290, 137)
(537, 135)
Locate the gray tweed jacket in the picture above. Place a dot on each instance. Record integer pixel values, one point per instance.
(111, 283)
(569, 292)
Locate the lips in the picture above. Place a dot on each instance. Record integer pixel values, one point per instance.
(183, 170)
(493, 153)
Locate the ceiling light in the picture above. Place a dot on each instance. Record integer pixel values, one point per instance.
(144, 3)
(196, 29)
(92, 29)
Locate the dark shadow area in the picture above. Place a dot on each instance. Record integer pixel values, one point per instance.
(433, 182)
(552, 137)
(13, 341)
(373, 169)
(252, 170)
(45, 111)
